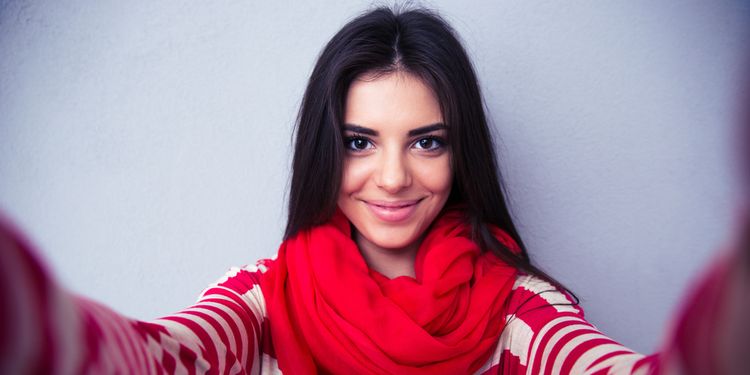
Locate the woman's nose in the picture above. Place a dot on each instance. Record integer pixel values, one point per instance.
(393, 173)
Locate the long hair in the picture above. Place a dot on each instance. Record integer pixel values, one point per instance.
(421, 43)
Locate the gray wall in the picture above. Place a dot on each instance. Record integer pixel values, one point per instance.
(144, 146)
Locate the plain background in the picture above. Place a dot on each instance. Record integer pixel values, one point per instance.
(144, 146)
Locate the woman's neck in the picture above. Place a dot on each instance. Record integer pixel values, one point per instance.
(391, 263)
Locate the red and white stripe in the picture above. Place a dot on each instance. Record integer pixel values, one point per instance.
(546, 334)
(47, 330)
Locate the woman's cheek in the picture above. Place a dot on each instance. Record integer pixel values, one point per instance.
(437, 176)
(356, 172)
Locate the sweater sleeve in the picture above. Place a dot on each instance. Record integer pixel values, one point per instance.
(546, 333)
(45, 329)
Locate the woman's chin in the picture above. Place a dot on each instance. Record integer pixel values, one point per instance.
(390, 240)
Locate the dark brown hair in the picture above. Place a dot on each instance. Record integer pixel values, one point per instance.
(421, 43)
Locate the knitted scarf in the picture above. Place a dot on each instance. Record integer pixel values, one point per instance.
(329, 313)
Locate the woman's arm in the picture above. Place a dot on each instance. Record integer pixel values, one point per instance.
(45, 329)
(547, 334)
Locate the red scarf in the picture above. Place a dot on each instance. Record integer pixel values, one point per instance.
(330, 313)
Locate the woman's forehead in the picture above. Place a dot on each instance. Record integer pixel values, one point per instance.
(391, 99)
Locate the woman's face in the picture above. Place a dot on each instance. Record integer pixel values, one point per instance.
(397, 169)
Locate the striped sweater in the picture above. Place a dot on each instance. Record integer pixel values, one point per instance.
(46, 329)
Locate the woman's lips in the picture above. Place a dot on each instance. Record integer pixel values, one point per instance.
(392, 211)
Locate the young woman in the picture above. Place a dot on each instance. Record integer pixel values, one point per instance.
(399, 257)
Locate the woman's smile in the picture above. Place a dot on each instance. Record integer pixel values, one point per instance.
(393, 211)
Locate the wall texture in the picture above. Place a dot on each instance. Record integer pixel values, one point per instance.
(144, 146)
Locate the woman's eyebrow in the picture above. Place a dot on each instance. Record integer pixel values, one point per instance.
(414, 132)
(426, 129)
(360, 129)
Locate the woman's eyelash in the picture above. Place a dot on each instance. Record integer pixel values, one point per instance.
(357, 143)
(431, 143)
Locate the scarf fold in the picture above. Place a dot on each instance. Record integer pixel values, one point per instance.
(329, 313)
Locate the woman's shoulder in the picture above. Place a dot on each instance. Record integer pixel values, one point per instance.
(533, 307)
(242, 284)
(532, 293)
(249, 273)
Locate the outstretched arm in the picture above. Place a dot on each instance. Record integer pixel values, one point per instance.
(547, 334)
(45, 329)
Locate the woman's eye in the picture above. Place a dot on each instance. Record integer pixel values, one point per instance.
(358, 144)
(429, 144)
